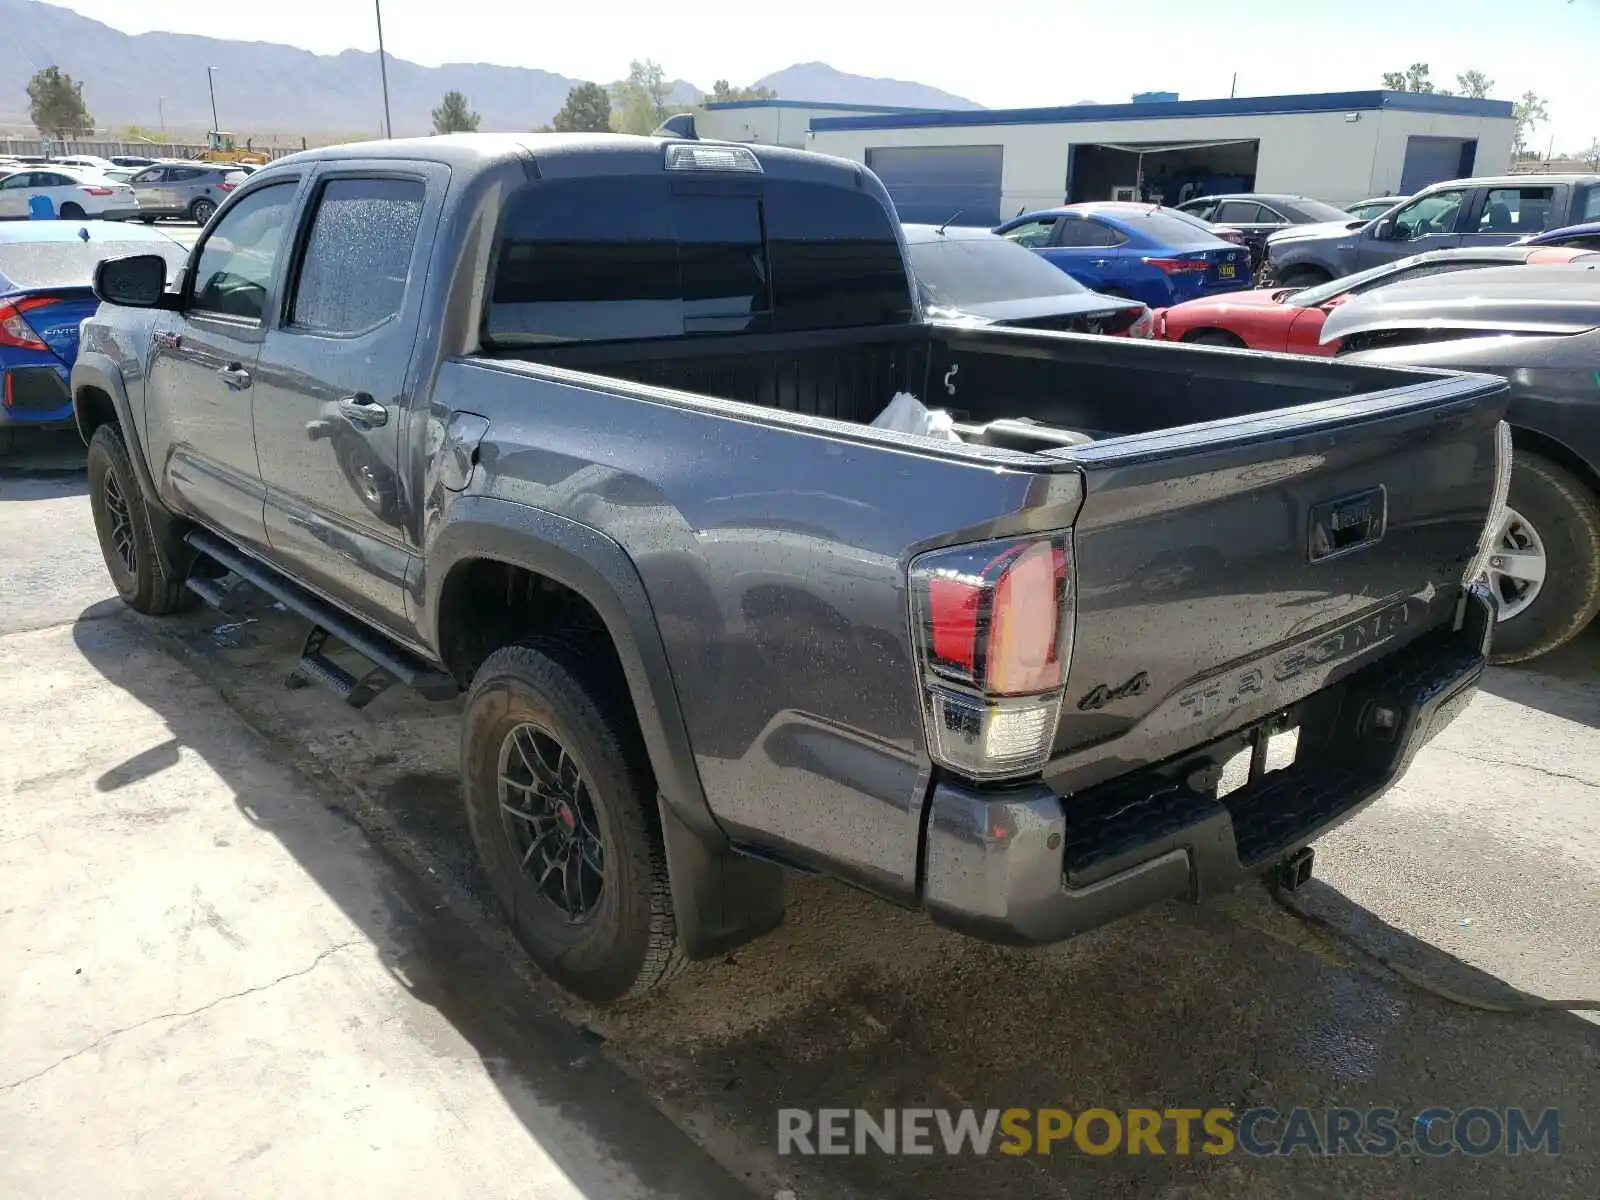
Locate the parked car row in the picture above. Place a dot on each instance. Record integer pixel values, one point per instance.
(46, 291)
(86, 186)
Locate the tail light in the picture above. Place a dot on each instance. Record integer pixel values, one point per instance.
(15, 330)
(1497, 505)
(225, 186)
(1178, 266)
(94, 190)
(993, 624)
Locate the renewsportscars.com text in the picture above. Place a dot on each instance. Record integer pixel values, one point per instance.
(1432, 1132)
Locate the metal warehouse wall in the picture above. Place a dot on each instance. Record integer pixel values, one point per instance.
(1325, 155)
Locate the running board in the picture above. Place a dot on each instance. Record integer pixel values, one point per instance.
(392, 662)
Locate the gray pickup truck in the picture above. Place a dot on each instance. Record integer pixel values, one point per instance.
(582, 427)
(1462, 212)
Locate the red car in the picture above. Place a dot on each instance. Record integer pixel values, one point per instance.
(1290, 319)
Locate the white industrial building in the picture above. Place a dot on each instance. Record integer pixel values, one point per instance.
(993, 163)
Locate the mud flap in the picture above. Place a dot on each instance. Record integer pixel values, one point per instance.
(721, 899)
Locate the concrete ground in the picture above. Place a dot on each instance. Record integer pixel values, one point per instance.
(212, 982)
(1469, 889)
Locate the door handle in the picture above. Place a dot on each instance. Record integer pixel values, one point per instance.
(235, 376)
(361, 409)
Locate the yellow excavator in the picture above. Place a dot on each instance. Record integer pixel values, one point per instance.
(221, 148)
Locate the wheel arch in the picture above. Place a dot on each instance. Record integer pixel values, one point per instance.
(1534, 442)
(721, 899)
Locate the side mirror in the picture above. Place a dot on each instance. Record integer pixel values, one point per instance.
(1383, 231)
(136, 281)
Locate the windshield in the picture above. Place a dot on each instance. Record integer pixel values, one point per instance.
(72, 264)
(1318, 211)
(961, 271)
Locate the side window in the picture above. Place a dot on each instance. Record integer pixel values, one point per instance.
(152, 175)
(237, 258)
(1437, 213)
(1238, 212)
(178, 174)
(1033, 234)
(1589, 210)
(1090, 233)
(1204, 209)
(1517, 210)
(1271, 216)
(357, 257)
(51, 179)
(16, 182)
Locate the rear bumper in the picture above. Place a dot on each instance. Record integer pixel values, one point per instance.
(1026, 866)
(35, 396)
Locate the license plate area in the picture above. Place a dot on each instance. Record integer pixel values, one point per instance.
(1226, 271)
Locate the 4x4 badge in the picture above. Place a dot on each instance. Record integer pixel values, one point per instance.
(1104, 694)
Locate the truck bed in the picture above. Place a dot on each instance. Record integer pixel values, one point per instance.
(1102, 387)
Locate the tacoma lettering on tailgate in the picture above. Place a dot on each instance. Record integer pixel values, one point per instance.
(1210, 697)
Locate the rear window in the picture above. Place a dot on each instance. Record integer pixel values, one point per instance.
(986, 270)
(1169, 229)
(607, 259)
(72, 264)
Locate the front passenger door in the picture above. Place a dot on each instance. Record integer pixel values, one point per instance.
(334, 384)
(199, 384)
(1430, 222)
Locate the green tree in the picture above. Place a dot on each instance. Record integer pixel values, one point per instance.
(55, 102)
(587, 110)
(1474, 83)
(722, 92)
(1413, 79)
(1525, 114)
(453, 115)
(640, 101)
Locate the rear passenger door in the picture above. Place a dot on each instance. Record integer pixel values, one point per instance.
(1087, 250)
(334, 384)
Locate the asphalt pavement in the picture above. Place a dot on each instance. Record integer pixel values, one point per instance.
(1442, 921)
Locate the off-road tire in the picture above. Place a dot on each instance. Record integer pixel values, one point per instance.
(147, 588)
(1299, 277)
(1565, 512)
(628, 943)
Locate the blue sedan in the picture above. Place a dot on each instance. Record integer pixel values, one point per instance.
(1141, 251)
(46, 272)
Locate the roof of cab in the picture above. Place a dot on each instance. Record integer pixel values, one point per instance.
(568, 155)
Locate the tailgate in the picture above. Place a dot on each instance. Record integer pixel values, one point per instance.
(1225, 570)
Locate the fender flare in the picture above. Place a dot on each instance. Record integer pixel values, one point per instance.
(96, 370)
(721, 899)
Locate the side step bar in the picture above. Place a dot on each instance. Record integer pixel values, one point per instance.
(392, 662)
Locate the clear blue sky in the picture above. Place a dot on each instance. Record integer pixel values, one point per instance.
(1025, 52)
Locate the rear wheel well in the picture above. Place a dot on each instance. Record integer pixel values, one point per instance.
(1532, 442)
(94, 408)
(1214, 337)
(486, 604)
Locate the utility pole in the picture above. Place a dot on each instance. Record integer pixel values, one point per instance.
(383, 71)
(1233, 88)
(211, 73)
(161, 111)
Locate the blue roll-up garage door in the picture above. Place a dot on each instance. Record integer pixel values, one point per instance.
(1434, 159)
(930, 184)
